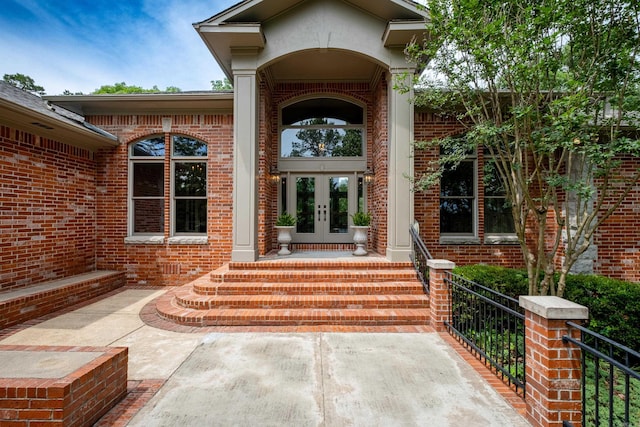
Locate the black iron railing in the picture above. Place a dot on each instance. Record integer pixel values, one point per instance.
(419, 256)
(610, 380)
(491, 324)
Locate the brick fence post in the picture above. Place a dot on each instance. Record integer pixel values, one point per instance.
(554, 372)
(439, 296)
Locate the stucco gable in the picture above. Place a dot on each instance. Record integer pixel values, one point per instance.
(277, 28)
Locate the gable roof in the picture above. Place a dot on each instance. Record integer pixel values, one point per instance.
(241, 25)
(29, 112)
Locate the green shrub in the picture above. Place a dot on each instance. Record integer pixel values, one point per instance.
(614, 305)
(508, 281)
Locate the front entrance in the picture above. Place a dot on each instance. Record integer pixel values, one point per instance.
(323, 204)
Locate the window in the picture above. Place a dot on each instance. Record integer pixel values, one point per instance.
(498, 218)
(322, 127)
(458, 199)
(187, 183)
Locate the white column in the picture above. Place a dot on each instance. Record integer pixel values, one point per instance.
(400, 197)
(245, 161)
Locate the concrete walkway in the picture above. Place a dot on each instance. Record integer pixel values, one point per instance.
(282, 379)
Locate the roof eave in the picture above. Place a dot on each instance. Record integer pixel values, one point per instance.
(23, 118)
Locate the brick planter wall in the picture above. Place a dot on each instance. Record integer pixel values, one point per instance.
(77, 399)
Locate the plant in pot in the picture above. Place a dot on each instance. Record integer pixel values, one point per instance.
(285, 224)
(361, 221)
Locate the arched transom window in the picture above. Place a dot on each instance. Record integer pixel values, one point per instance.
(322, 128)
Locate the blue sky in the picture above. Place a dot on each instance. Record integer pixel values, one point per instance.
(81, 45)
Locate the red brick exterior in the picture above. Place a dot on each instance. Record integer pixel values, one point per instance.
(618, 239)
(553, 373)
(167, 263)
(427, 204)
(65, 209)
(47, 209)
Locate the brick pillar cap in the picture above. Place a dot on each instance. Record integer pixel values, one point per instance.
(440, 264)
(554, 308)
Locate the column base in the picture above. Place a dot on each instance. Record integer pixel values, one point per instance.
(244, 255)
(398, 255)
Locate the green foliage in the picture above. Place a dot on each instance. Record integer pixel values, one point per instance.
(602, 396)
(361, 219)
(508, 281)
(123, 88)
(221, 85)
(550, 89)
(23, 82)
(286, 220)
(614, 305)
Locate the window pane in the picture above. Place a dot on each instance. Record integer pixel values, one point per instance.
(456, 216)
(458, 182)
(497, 216)
(492, 183)
(305, 205)
(339, 205)
(148, 216)
(191, 216)
(335, 109)
(150, 147)
(148, 179)
(321, 142)
(188, 147)
(190, 179)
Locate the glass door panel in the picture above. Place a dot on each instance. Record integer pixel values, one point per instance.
(305, 204)
(338, 205)
(323, 204)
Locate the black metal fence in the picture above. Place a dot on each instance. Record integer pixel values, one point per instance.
(492, 325)
(419, 256)
(610, 380)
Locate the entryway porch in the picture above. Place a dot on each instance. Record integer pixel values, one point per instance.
(305, 288)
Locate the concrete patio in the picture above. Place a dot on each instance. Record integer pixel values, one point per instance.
(221, 377)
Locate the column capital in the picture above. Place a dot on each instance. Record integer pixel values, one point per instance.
(554, 308)
(440, 264)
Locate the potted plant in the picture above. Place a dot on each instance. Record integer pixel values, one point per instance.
(361, 221)
(285, 224)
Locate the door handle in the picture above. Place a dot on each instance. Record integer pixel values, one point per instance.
(325, 213)
(319, 213)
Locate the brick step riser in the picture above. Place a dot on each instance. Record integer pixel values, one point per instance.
(319, 265)
(239, 321)
(301, 304)
(283, 289)
(315, 277)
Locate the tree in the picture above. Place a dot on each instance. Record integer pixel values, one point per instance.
(23, 82)
(550, 89)
(221, 85)
(123, 88)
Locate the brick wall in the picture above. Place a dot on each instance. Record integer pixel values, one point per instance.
(618, 238)
(427, 204)
(378, 162)
(164, 264)
(47, 209)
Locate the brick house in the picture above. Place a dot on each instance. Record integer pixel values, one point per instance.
(167, 187)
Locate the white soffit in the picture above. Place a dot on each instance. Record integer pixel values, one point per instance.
(400, 33)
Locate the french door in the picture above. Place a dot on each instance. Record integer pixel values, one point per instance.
(323, 204)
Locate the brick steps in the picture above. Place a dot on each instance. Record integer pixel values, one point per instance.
(187, 298)
(301, 292)
(265, 288)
